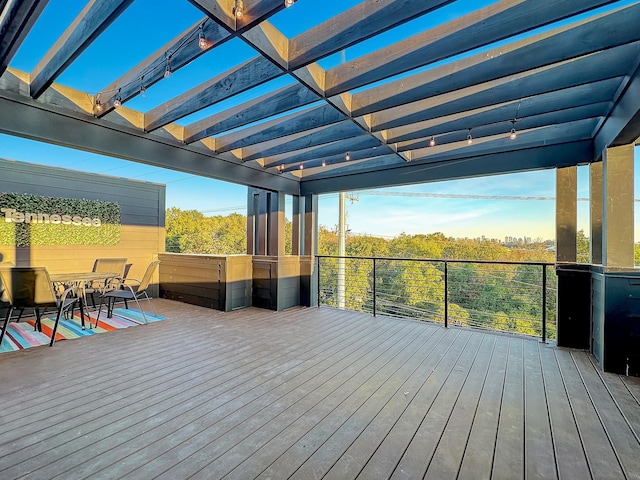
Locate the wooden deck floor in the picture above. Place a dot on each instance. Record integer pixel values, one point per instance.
(311, 393)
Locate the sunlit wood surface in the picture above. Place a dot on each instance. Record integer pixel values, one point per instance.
(311, 393)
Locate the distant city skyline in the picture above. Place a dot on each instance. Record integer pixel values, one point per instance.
(388, 215)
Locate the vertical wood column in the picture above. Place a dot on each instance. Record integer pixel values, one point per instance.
(256, 221)
(308, 270)
(310, 231)
(595, 212)
(566, 214)
(275, 224)
(617, 218)
(297, 225)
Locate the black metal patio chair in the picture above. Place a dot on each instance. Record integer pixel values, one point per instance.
(31, 287)
(132, 289)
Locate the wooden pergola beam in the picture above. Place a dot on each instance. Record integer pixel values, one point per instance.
(493, 23)
(605, 31)
(581, 71)
(90, 22)
(27, 118)
(622, 126)
(458, 132)
(544, 135)
(331, 151)
(176, 53)
(272, 103)
(339, 160)
(360, 22)
(222, 11)
(318, 136)
(516, 110)
(16, 20)
(281, 127)
(372, 175)
(245, 76)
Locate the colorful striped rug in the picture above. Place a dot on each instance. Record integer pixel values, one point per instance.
(22, 335)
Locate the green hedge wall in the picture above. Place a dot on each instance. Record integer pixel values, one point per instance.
(25, 235)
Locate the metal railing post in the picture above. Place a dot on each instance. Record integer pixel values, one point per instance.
(374, 287)
(544, 304)
(446, 295)
(319, 282)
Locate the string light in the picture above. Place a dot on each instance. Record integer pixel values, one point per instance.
(469, 138)
(288, 3)
(202, 40)
(117, 101)
(238, 11)
(513, 135)
(98, 104)
(432, 142)
(167, 70)
(347, 157)
(324, 164)
(301, 167)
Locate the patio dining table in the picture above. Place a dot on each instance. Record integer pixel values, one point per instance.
(79, 281)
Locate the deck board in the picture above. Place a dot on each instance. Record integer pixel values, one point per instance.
(569, 449)
(599, 451)
(508, 455)
(312, 393)
(478, 456)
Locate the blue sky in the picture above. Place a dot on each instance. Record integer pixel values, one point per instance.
(117, 52)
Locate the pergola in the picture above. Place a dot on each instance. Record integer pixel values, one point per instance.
(562, 75)
(430, 94)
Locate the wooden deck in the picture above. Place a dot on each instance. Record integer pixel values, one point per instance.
(311, 393)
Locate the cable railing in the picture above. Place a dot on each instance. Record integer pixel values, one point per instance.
(513, 297)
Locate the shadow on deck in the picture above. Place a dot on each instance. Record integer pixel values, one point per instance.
(312, 393)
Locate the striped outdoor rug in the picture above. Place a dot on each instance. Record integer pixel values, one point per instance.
(22, 335)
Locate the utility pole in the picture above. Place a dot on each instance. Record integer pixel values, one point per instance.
(342, 245)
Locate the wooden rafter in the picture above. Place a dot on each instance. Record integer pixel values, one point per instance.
(272, 103)
(605, 31)
(514, 110)
(175, 54)
(293, 123)
(90, 22)
(16, 20)
(318, 136)
(249, 74)
(254, 12)
(332, 151)
(584, 70)
(364, 20)
(490, 24)
(456, 132)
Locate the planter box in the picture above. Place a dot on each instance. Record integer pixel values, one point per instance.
(221, 282)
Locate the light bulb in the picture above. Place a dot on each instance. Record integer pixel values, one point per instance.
(202, 41)
(347, 157)
(98, 106)
(324, 164)
(469, 139)
(301, 167)
(288, 3)
(117, 101)
(432, 142)
(239, 10)
(513, 134)
(167, 71)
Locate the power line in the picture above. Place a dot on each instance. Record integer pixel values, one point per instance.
(462, 195)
